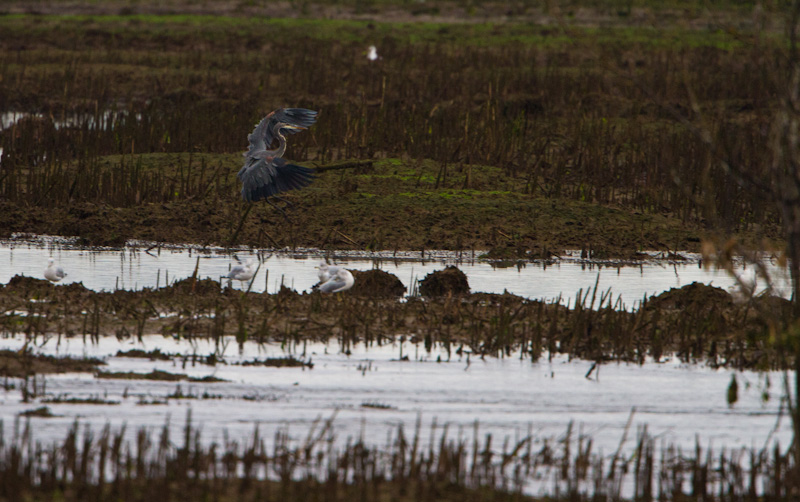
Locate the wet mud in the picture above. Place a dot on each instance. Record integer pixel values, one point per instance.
(696, 323)
(22, 364)
(448, 282)
(520, 161)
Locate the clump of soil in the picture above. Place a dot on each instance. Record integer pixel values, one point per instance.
(153, 355)
(280, 362)
(694, 295)
(153, 375)
(287, 293)
(19, 364)
(192, 285)
(450, 281)
(41, 412)
(377, 283)
(80, 400)
(33, 287)
(775, 305)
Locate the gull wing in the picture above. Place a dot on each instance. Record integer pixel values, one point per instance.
(342, 281)
(333, 285)
(235, 271)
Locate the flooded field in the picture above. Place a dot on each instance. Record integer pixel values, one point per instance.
(137, 267)
(370, 391)
(592, 150)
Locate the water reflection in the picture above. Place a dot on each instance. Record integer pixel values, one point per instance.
(135, 268)
(97, 120)
(509, 397)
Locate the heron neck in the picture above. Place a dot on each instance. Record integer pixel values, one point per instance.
(282, 146)
(278, 152)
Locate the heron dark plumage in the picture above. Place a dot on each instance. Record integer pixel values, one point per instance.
(265, 173)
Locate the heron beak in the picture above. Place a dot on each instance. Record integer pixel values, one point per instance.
(289, 126)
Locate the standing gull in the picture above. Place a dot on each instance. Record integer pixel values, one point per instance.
(53, 273)
(241, 272)
(265, 173)
(342, 281)
(372, 53)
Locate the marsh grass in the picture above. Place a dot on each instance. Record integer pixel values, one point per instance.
(113, 464)
(696, 323)
(578, 115)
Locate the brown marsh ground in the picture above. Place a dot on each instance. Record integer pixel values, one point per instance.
(530, 134)
(521, 128)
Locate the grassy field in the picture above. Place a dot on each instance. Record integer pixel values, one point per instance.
(177, 464)
(530, 135)
(521, 128)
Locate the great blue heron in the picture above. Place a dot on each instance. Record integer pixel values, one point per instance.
(53, 273)
(342, 281)
(265, 173)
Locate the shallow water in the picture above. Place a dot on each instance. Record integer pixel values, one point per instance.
(104, 118)
(506, 397)
(134, 268)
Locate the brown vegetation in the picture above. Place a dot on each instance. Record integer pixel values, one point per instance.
(22, 363)
(554, 137)
(694, 323)
(107, 465)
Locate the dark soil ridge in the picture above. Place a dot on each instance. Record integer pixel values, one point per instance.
(346, 228)
(696, 323)
(22, 363)
(440, 12)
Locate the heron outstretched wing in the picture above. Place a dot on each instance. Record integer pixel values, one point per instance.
(262, 136)
(263, 178)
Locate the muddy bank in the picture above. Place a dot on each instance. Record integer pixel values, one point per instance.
(376, 216)
(574, 149)
(695, 323)
(439, 12)
(23, 363)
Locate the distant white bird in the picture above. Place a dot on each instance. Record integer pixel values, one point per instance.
(241, 272)
(372, 53)
(53, 273)
(326, 271)
(342, 281)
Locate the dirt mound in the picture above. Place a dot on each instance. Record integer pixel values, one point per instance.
(776, 306)
(19, 364)
(691, 295)
(450, 281)
(286, 292)
(31, 286)
(377, 283)
(191, 285)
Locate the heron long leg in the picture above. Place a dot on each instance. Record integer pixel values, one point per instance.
(279, 209)
(241, 223)
(286, 201)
